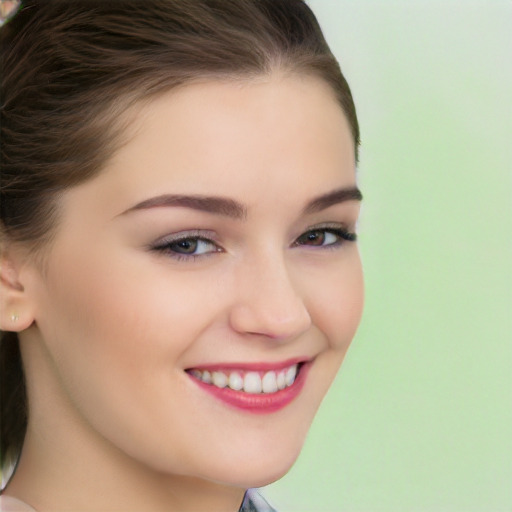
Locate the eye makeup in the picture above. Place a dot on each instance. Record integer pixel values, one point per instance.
(325, 237)
(193, 244)
(187, 245)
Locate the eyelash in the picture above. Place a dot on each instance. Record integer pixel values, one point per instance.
(166, 246)
(343, 236)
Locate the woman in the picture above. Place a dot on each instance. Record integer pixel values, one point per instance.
(180, 277)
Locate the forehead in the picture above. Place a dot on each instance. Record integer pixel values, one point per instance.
(247, 139)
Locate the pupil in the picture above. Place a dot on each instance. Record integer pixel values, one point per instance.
(186, 246)
(315, 238)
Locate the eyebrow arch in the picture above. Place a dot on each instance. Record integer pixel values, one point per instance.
(337, 196)
(231, 208)
(217, 205)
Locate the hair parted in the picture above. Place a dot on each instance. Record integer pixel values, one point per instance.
(70, 70)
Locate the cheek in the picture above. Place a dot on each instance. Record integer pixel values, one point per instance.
(120, 321)
(123, 305)
(336, 308)
(116, 334)
(336, 304)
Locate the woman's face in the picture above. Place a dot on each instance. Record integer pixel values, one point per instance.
(217, 244)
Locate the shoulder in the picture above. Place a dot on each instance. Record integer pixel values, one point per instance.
(9, 504)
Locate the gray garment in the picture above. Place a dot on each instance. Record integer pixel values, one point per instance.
(254, 502)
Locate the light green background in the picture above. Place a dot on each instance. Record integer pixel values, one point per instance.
(420, 417)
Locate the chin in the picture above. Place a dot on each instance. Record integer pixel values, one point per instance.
(252, 476)
(262, 456)
(254, 468)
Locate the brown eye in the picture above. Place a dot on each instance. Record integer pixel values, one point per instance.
(326, 237)
(312, 238)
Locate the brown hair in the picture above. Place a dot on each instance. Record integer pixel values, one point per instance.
(70, 69)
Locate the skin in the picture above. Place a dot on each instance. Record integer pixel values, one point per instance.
(110, 324)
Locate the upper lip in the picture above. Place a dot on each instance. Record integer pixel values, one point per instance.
(253, 366)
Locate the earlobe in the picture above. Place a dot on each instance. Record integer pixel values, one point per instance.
(15, 310)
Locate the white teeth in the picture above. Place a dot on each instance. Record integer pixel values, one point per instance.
(252, 382)
(281, 380)
(290, 375)
(269, 382)
(219, 379)
(197, 374)
(235, 381)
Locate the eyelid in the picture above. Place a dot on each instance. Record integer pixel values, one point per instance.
(334, 226)
(206, 235)
(345, 233)
(161, 246)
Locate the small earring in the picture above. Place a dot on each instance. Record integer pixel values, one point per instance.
(14, 317)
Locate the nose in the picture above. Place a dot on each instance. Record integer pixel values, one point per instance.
(268, 303)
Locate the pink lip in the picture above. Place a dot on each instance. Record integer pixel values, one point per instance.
(257, 403)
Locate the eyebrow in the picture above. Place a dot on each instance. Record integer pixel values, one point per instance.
(230, 208)
(337, 196)
(211, 204)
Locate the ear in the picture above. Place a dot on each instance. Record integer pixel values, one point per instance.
(15, 307)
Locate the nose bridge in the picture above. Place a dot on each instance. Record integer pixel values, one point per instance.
(268, 300)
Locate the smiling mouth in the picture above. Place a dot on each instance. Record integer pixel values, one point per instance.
(251, 387)
(249, 381)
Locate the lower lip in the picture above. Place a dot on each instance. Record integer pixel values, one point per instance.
(258, 403)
